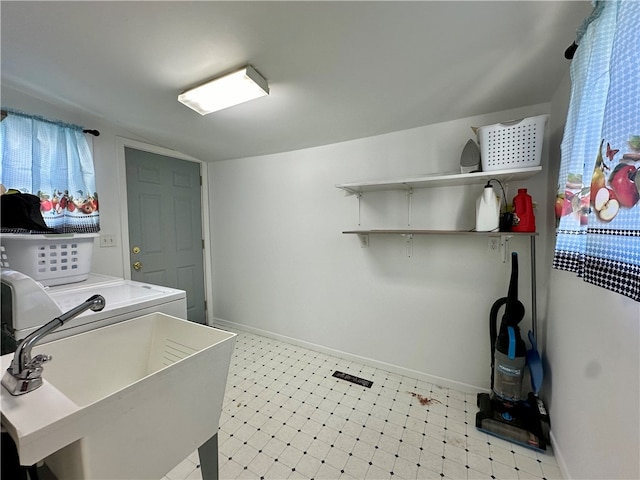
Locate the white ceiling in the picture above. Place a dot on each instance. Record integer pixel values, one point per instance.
(336, 70)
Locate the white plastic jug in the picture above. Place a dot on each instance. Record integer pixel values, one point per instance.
(487, 211)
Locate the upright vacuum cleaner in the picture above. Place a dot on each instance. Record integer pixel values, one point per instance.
(505, 412)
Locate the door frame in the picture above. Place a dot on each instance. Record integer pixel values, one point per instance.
(121, 143)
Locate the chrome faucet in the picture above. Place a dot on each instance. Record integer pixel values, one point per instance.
(25, 373)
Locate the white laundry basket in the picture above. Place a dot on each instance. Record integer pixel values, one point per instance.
(51, 259)
(511, 145)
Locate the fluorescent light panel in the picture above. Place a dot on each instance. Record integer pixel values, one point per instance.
(232, 89)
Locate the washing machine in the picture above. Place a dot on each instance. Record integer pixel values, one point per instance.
(27, 304)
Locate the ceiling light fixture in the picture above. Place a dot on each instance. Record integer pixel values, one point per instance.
(229, 90)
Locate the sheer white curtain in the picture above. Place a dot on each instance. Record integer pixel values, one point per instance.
(598, 234)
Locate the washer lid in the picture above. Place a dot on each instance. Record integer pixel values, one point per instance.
(123, 294)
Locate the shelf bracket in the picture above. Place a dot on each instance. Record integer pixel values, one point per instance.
(409, 239)
(364, 240)
(504, 247)
(359, 197)
(409, 193)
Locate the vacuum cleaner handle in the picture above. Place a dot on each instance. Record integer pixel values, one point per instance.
(514, 312)
(493, 330)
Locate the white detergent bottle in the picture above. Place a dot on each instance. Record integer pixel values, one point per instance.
(487, 211)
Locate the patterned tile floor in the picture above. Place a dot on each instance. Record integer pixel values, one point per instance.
(286, 417)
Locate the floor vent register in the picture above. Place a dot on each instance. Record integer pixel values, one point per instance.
(353, 379)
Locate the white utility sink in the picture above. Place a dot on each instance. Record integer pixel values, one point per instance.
(130, 400)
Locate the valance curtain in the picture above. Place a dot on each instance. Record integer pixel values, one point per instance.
(53, 161)
(598, 201)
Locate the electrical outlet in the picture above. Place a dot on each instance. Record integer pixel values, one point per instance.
(108, 240)
(494, 245)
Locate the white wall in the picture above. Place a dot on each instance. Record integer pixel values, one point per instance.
(593, 354)
(282, 266)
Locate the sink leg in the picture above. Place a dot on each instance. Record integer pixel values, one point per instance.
(208, 453)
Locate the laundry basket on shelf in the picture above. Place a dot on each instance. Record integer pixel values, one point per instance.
(512, 145)
(51, 259)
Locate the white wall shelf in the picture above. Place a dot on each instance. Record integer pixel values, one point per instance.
(408, 234)
(439, 180)
(445, 180)
(431, 181)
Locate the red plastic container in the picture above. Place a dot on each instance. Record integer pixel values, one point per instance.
(524, 219)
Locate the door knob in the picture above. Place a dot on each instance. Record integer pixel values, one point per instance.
(137, 266)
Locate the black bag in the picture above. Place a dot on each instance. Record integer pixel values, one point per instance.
(22, 210)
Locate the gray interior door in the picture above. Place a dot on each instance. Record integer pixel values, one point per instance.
(165, 225)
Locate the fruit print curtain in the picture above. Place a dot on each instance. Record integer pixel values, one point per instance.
(54, 161)
(598, 234)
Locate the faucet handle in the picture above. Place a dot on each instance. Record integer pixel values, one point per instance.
(38, 360)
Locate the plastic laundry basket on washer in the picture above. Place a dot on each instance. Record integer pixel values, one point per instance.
(512, 145)
(51, 259)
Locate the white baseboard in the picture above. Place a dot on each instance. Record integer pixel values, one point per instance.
(434, 379)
